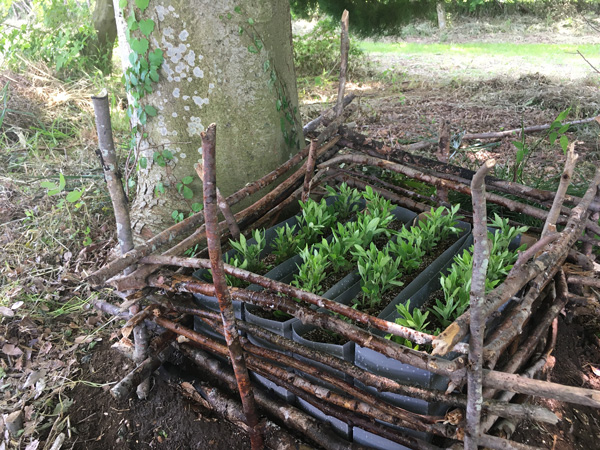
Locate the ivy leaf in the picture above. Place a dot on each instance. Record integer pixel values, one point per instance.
(142, 4)
(187, 193)
(143, 117)
(251, 21)
(564, 143)
(187, 180)
(156, 57)
(140, 46)
(258, 44)
(197, 207)
(159, 188)
(150, 110)
(132, 23)
(147, 26)
(159, 159)
(237, 9)
(73, 196)
(133, 58)
(252, 49)
(278, 105)
(154, 75)
(266, 65)
(175, 214)
(167, 154)
(143, 162)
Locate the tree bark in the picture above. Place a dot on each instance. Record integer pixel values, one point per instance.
(441, 15)
(106, 33)
(225, 62)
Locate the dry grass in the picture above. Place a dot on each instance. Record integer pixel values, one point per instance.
(46, 325)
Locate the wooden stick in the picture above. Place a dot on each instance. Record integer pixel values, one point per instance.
(513, 325)
(310, 169)
(344, 47)
(481, 256)
(565, 181)
(314, 124)
(234, 229)
(538, 388)
(526, 351)
(220, 285)
(443, 152)
(112, 175)
(517, 131)
(584, 281)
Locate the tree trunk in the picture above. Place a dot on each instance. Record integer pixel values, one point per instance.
(225, 62)
(106, 33)
(441, 15)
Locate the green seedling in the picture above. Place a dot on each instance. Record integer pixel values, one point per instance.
(379, 207)
(286, 244)
(316, 219)
(379, 272)
(250, 254)
(312, 271)
(408, 248)
(338, 251)
(438, 226)
(346, 202)
(415, 320)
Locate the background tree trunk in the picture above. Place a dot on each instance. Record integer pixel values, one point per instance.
(106, 33)
(441, 15)
(225, 62)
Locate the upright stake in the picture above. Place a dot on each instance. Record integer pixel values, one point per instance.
(565, 180)
(112, 175)
(310, 169)
(234, 228)
(344, 47)
(221, 290)
(481, 256)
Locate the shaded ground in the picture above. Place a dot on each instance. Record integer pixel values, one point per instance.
(165, 420)
(56, 364)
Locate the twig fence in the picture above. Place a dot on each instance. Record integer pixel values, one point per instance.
(484, 366)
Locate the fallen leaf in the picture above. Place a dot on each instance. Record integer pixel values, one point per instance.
(34, 377)
(17, 305)
(11, 350)
(33, 445)
(83, 339)
(6, 312)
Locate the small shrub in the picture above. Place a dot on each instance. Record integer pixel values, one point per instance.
(318, 52)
